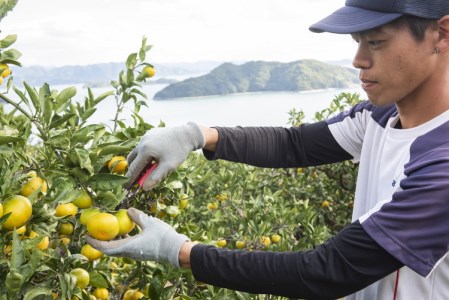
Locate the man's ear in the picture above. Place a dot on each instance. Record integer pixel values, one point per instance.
(443, 34)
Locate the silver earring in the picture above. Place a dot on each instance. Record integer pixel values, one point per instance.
(436, 50)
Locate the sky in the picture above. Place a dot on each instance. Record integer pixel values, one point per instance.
(66, 32)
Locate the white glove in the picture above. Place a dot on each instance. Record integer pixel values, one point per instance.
(158, 241)
(169, 147)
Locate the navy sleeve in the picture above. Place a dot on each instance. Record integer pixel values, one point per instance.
(278, 147)
(343, 265)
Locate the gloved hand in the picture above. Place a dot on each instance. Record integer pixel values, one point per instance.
(158, 241)
(168, 146)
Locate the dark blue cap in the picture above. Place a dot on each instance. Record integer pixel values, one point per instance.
(361, 15)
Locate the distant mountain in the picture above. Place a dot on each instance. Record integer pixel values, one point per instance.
(259, 76)
(101, 74)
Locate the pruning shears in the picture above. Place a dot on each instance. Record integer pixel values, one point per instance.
(137, 186)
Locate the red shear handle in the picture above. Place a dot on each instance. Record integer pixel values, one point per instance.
(146, 174)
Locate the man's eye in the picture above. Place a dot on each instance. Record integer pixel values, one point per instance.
(375, 43)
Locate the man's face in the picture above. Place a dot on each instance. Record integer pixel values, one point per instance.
(393, 65)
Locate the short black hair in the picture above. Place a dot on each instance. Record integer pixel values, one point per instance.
(416, 25)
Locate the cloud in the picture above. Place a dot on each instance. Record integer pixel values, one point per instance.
(55, 32)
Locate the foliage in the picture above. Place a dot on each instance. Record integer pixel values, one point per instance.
(47, 132)
(261, 76)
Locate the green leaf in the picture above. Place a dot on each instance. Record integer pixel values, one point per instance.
(90, 93)
(31, 266)
(11, 54)
(6, 150)
(97, 280)
(156, 285)
(17, 256)
(130, 77)
(36, 291)
(21, 95)
(106, 199)
(86, 133)
(122, 78)
(63, 97)
(47, 109)
(57, 121)
(142, 54)
(131, 61)
(8, 41)
(112, 149)
(176, 184)
(6, 6)
(11, 62)
(67, 283)
(59, 141)
(89, 112)
(81, 173)
(9, 139)
(99, 134)
(107, 182)
(33, 96)
(66, 191)
(103, 96)
(83, 158)
(137, 91)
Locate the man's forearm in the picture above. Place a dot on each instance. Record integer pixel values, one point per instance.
(210, 137)
(184, 254)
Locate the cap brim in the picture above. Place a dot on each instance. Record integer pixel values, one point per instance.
(350, 19)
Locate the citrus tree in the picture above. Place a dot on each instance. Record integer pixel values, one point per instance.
(58, 168)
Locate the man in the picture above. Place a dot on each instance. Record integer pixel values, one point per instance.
(397, 244)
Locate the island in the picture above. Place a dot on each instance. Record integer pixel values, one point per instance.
(262, 76)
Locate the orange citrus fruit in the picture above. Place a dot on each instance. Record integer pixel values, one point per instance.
(66, 209)
(33, 185)
(5, 70)
(149, 71)
(240, 244)
(83, 200)
(325, 204)
(275, 238)
(7, 249)
(90, 252)
(118, 164)
(266, 241)
(221, 243)
(87, 213)
(43, 244)
(125, 222)
(101, 293)
(81, 277)
(183, 201)
(128, 295)
(172, 211)
(66, 228)
(21, 230)
(222, 197)
(212, 205)
(137, 295)
(133, 295)
(64, 239)
(21, 210)
(104, 226)
(1, 209)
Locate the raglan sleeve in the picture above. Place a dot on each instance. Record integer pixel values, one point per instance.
(413, 225)
(348, 128)
(334, 140)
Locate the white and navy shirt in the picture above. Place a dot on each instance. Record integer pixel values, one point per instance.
(402, 196)
(396, 246)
